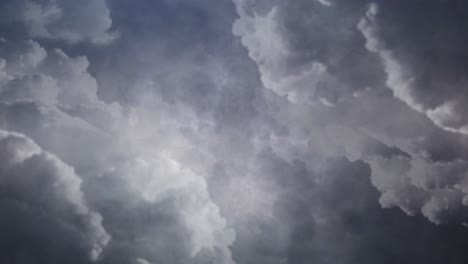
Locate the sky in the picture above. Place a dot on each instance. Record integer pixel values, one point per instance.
(233, 131)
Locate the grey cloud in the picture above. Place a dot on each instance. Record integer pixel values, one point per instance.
(410, 166)
(168, 214)
(298, 54)
(330, 214)
(189, 160)
(158, 179)
(424, 64)
(43, 188)
(40, 87)
(182, 52)
(66, 20)
(433, 189)
(44, 95)
(65, 114)
(65, 80)
(341, 107)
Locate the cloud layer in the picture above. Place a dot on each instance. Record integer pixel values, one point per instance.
(60, 20)
(230, 132)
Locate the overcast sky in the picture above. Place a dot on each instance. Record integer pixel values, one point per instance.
(233, 131)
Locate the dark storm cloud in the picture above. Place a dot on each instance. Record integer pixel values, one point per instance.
(425, 60)
(331, 215)
(42, 200)
(163, 146)
(345, 224)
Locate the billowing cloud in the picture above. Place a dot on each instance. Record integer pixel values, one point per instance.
(232, 132)
(318, 59)
(60, 79)
(44, 196)
(425, 68)
(169, 209)
(300, 57)
(52, 98)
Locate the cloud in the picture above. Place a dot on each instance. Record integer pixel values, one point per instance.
(43, 95)
(169, 209)
(333, 114)
(187, 158)
(64, 80)
(432, 90)
(417, 186)
(52, 98)
(299, 57)
(61, 20)
(330, 214)
(42, 193)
